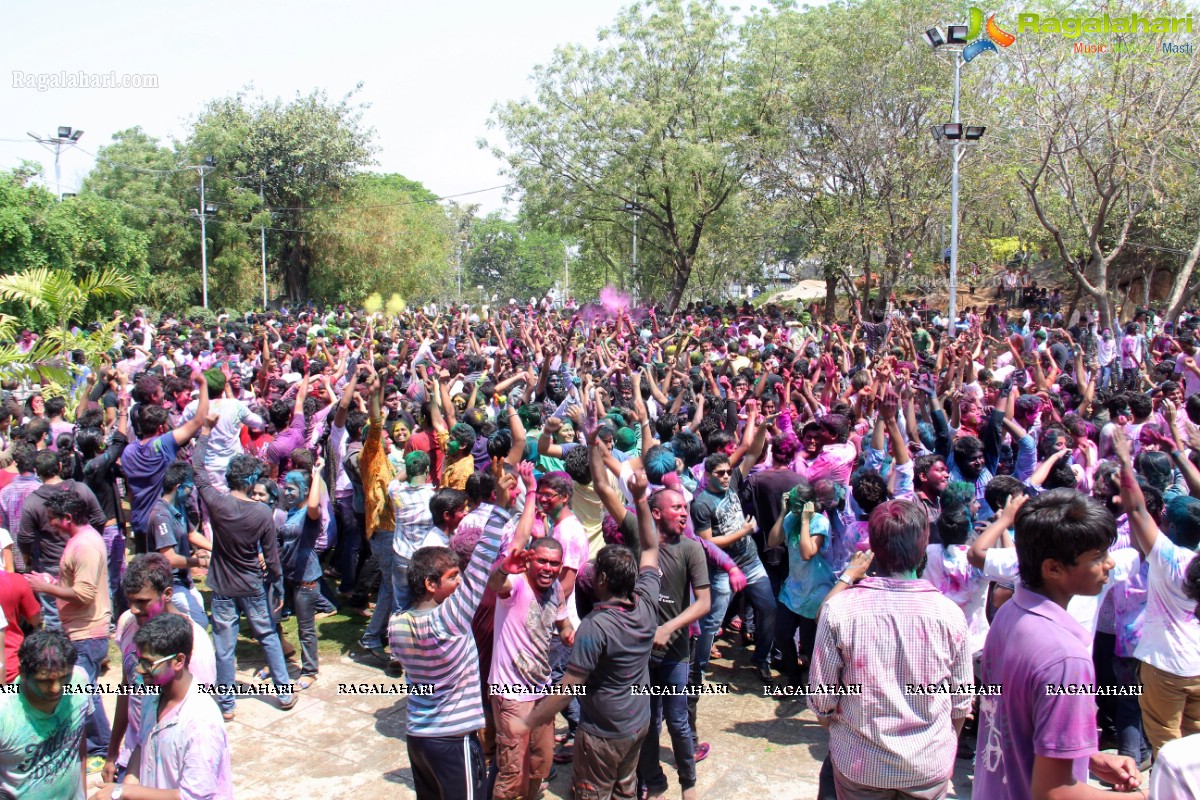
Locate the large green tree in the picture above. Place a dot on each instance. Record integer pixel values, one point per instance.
(389, 235)
(655, 116)
(512, 260)
(302, 155)
(154, 195)
(1099, 138)
(56, 252)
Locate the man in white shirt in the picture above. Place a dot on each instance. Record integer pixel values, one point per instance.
(225, 441)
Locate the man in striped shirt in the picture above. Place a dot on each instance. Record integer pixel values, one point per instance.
(433, 642)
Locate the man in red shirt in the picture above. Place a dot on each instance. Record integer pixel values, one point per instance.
(19, 605)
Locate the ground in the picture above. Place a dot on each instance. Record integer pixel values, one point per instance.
(349, 746)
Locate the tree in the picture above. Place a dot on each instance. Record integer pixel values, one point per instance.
(154, 194)
(63, 296)
(1098, 140)
(303, 154)
(653, 117)
(511, 260)
(388, 235)
(71, 259)
(847, 149)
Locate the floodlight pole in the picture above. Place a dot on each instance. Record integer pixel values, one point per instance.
(203, 238)
(262, 235)
(953, 311)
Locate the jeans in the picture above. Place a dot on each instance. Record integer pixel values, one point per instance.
(188, 600)
(376, 634)
(1130, 378)
(350, 534)
(304, 604)
(1131, 740)
(226, 613)
(50, 612)
(758, 593)
(560, 654)
(1104, 647)
(114, 543)
(89, 654)
(674, 708)
(718, 587)
(1105, 377)
(787, 622)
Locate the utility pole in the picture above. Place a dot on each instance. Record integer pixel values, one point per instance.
(209, 163)
(262, 233)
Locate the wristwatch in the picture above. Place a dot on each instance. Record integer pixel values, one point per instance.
(117, 792)
(846, 579)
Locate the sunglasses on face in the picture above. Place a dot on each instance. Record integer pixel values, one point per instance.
(145, 665)
(720, 473)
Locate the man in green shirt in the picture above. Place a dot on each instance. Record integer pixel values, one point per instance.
(42, 747)
(921, 338)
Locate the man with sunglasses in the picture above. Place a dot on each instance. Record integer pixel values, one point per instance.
(182, 746)
(149, 586)
(718, 516)
(553, 495)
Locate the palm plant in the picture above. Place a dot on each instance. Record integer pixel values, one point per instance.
(64, 298)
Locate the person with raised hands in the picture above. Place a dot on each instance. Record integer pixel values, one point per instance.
(612, 654)
(530, 606)
(1170, 646)
(434, 643)
(242, 529)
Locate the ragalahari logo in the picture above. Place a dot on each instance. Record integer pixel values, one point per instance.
(992, 35)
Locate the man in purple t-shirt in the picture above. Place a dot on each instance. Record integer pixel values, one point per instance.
(1039, 734)
(289, 429)
(145, 461)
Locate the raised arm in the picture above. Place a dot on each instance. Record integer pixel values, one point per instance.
(647, 535)
(1142, 526)
(188, 430)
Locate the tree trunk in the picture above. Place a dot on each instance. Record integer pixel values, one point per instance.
(679, 281)
(831, 281)
(1180, 291)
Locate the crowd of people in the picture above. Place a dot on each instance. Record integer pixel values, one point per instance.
(954, 539)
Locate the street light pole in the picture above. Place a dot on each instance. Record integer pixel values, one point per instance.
(66, 136)
(634, 208)
(262, 234)
(209, 163)
(958, 62)
(203, 240)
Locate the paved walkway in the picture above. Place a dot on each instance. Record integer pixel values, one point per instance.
(337, 746)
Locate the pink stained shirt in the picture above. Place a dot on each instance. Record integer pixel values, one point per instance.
(187, 749)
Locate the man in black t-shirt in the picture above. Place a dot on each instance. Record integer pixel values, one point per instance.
(170, 533)
(717, 515)
(684, 574)
(611, 655)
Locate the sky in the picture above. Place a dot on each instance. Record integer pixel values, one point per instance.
(430, 72)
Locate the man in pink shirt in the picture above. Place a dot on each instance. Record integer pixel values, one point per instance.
(81, 592)
(148, 587)
(183, 745)
(837, 454)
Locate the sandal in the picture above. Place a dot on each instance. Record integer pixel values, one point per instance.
(263, 674)
(566, 753)
(305, 682)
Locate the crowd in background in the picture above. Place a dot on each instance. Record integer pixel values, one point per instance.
(533, 509)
